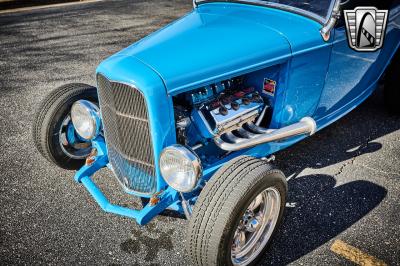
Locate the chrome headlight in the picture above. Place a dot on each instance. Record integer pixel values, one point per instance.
(180, 167)
(86, 119)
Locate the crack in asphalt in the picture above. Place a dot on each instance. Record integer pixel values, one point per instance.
(350, 162)
(353, 161)
(343, 166)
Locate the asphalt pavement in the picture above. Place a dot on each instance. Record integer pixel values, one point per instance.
(344, 181)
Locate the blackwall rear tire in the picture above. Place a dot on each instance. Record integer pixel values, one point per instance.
(49, 122)
(391, 86)
(229, 213)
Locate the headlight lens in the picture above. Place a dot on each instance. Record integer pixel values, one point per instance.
(86, 119)
(180, 167)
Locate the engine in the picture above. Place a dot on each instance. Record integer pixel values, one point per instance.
(219, 109)
(228, 111)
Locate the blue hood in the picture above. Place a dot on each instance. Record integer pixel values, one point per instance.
(219, 40)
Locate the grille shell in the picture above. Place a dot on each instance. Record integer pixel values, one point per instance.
(127, 133)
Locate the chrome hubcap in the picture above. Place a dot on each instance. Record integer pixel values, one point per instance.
(76, 149)
(256, 226)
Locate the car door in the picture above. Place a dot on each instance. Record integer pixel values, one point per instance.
(353, 75)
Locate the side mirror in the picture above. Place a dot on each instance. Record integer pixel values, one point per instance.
(327, 28)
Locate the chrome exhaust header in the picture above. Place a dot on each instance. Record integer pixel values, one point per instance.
(254, 135)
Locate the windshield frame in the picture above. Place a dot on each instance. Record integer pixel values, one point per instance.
(299, 11)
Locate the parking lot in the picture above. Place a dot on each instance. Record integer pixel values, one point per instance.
(344, 182)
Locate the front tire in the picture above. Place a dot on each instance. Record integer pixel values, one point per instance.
(53, 132)
(237, 213)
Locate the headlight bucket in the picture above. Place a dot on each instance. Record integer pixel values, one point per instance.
(180, 168)
(85, 117)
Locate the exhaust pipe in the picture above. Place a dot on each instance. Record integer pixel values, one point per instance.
(306, 125)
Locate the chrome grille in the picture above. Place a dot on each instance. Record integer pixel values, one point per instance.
(127, 133)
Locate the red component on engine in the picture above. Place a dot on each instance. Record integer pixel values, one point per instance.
(248, 90)
(226, 100)
(215, 105)
(240, 94)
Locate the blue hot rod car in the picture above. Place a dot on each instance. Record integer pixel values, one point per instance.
(188, 117)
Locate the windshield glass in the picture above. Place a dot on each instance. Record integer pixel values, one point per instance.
(318, 8)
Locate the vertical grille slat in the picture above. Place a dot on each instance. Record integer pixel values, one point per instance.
(127, 133)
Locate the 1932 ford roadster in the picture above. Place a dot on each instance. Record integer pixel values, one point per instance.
(187, 117)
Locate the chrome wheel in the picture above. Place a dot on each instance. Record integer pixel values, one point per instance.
(70, 144)
(256, 227)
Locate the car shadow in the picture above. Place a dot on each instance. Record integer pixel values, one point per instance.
(320, 212)
(318, 208)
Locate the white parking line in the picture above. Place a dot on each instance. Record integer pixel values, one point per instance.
(22, 9)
